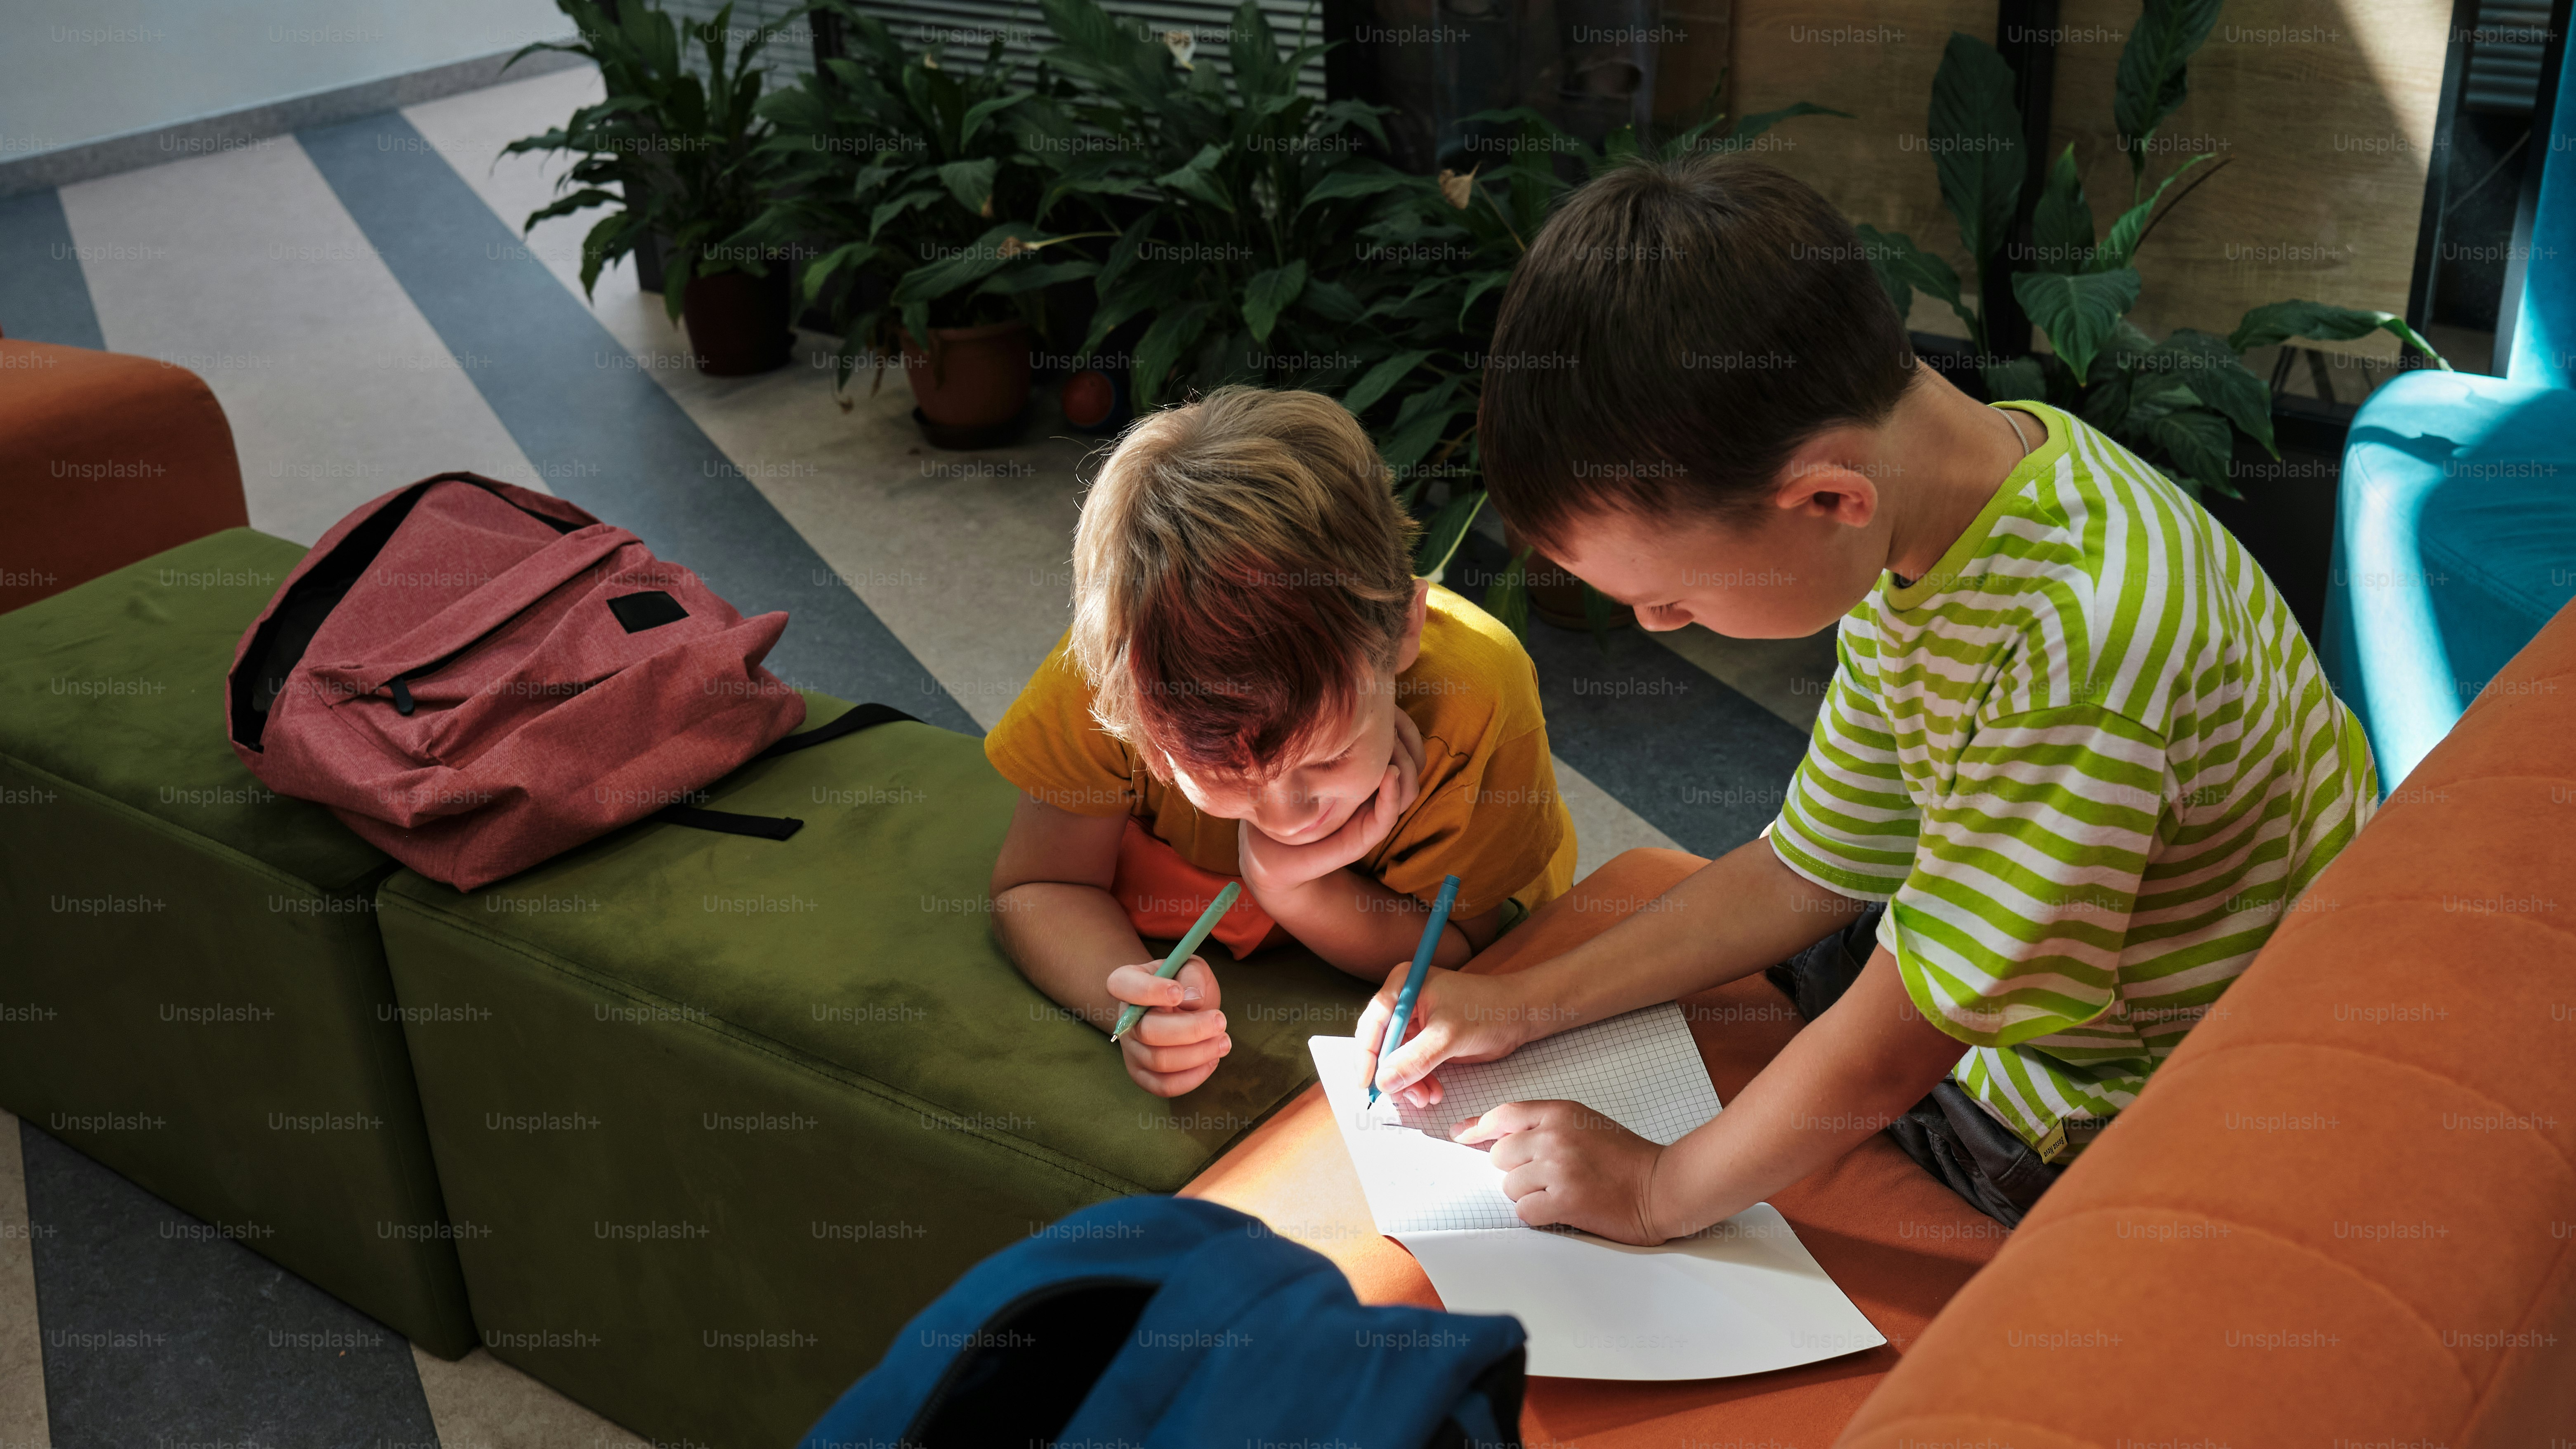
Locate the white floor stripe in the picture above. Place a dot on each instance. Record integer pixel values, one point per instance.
(963, 556)
(23, 1424)
(245, 268)
(1602, 826)
(479, 1402)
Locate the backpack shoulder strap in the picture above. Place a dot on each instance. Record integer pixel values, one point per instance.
(780, 827)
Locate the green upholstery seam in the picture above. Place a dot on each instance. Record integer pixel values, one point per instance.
(800, 1061)
(365, 885)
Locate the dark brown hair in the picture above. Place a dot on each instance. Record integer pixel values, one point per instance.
(1676, 332)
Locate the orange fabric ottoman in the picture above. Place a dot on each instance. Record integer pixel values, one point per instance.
(2343, 1212)
(1895, 1240)
(105, 458)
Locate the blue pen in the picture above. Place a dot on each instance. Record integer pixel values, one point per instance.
(1413, 979)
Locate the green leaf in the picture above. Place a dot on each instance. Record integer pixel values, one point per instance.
(1508, 599)
(973, 262)
(1258, 70)
(1198, 178)
(2015, 381)
(2280, 321)
(1353, 180)
(2078, 311)
(1903, 268)
(1269, 294)
(1442, 535)
(1027, 277)
(2061, 225)
(1477, 288)
(1124, 251)
(1975, 134)
(889, 210)
(1409, 443)
(2131, 228)
(1171, 334)
(2152, 77)
(1760, 121)
(1599, 615)
(2209, 367)
(1332, 301)
(2199, 442)
(982, 111)
(971, 182)
(1373, 384)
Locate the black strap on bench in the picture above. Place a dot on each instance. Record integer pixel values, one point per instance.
(779, 827)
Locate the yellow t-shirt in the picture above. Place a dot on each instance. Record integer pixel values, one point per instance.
(1488, 810)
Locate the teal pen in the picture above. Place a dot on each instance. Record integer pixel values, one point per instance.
(1413, 979)
(1180, 956)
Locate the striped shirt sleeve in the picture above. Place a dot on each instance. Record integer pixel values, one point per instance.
(2010, 925)
(1847, 822)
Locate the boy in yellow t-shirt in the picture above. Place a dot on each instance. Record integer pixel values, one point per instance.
(1255, 686)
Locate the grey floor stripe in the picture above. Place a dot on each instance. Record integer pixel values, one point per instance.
(44, 296)
(603, 433)
(157, 1332)
(1699, 761)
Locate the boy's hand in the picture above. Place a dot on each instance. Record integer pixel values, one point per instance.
(1272, 867)
(1564, 1163)
(1179, 1040)
(1457, 1018)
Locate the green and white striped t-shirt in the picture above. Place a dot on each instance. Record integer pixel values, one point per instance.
(2089, 760)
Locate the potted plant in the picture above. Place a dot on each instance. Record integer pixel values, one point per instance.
(1230, 204)
(911, 170)
(674, 154)
(2179, 403)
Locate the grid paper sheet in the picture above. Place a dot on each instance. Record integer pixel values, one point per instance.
(1641, 1070)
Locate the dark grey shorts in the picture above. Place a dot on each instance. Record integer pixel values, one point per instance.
(1947, 1132)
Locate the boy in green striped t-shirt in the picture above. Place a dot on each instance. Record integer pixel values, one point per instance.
(2075, 763)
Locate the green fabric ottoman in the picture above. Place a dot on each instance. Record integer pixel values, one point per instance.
(723, 1112)
(192, 990)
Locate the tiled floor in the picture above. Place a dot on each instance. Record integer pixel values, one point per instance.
(360, 300)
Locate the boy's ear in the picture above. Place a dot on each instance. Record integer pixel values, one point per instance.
(1834, 475)
(1410, 648)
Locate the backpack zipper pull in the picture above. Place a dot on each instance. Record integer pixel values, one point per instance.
(402, 696)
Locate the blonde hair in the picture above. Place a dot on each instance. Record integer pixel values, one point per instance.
(1240, 565)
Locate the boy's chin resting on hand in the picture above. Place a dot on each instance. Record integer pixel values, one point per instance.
(1564, 1163)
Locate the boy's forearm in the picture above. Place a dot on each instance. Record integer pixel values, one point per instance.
(1361, 926)
(1066, 939)
(1739, 914)
(1854, 1070)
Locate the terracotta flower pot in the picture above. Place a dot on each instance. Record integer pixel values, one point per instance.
(1555, 595)
(738, 322)
(973, 378)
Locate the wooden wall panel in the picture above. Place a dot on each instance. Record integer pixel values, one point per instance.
(2323, 109)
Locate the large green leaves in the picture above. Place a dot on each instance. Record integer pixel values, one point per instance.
(1266, 295)
(2061, 225)
(2198, 442)
(1904, 268)
(2209, 367)
(1447, 528)
(2281, 321)
(2077, 311)
(1974, 134)
(2131, 229)
(1174, 331)
(2152, 79)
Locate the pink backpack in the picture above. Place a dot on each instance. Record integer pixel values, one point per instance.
(477, 677)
